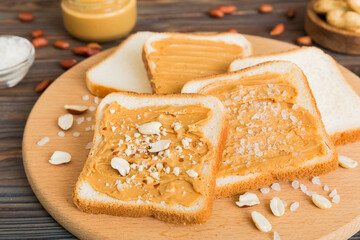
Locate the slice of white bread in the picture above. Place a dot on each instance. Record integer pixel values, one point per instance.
(215, 130)
(198, 57)
(123, 70)
(338, 103)
(320, 164)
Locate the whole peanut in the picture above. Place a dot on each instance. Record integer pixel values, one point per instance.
(26, 16)
(61, 44)
(227, 9)
(80, 51)
(265, 8)
(277, 30)
(216, 13)
(68, 63)
(37, 33)
(304, 40)
(41, 86)
(291, 13)
(232, 30)
(40, 42)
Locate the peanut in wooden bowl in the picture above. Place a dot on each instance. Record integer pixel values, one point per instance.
(330, 37)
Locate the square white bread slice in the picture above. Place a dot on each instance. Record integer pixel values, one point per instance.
(338, 103)
(161, 188)
(123, 70)
(275, 131)
(172, 59)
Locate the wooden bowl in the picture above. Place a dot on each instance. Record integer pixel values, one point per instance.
(330, 37)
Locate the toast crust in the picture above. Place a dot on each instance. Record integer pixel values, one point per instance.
(266, 179)
(168, 215)
(339, 138)
(263, 179)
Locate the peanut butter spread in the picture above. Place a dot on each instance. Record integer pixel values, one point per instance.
(268, 130)
(164, 167)
(178, 60)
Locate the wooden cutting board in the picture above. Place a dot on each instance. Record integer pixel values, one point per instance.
(53, 185)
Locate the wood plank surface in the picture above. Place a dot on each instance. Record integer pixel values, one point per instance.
(21, 215)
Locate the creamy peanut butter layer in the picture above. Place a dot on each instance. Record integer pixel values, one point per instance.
(178, 60)
(165, 165)
(268, 130)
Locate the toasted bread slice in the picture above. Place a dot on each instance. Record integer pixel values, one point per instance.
(152, 186)
(123, 70)
(338, 103)
(172, 59)
(275, 128)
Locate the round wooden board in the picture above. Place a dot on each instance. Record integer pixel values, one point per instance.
(53, 185)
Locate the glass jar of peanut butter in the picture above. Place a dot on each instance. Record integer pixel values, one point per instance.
(99, 20)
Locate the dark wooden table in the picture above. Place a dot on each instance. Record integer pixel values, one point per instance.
(21, 214)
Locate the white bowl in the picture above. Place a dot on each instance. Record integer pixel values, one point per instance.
(12, 75)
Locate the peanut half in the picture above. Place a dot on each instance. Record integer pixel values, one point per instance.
(320, 201)
(76, 109)
(121, 165)
(159, 145)
(277, 207)
(247, 200)
(60, 157)
(346, 162)
(261, 222)
(65, 122)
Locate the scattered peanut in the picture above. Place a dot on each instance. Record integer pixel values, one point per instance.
(346, 162)
(60, 157)
(247, 200)
(304, 40)
(320, 201)
(26, 17)
(76, 109)
(80, 51)
(216, 13)
(277, 30)
(41, 86)
(94, 45)
(232, 30)
(40, 42)
(265, 8)
(227, 9)
(261, 222)
(65, 122)
(37, 33)
(68, 63)
(92, 51)
(277, 207)
(291, 13)
(61, 44)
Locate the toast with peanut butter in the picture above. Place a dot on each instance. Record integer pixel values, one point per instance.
(172, 59)
(338, 102)
(275, 131)
(154, 156)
